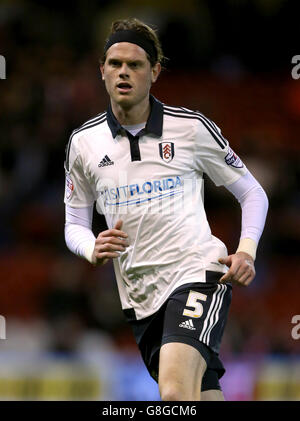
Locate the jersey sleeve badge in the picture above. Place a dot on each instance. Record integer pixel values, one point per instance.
(69, 187)
(233, 160)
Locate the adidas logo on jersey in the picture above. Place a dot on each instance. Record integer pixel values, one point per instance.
(105, 162)
(188, 324)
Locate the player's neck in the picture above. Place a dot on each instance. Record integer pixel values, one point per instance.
(130, 116)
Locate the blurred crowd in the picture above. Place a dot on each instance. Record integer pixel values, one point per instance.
(53, 85)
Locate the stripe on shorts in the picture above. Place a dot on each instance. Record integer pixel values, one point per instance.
(213, 313)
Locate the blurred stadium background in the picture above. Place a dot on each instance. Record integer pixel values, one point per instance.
(66, 338)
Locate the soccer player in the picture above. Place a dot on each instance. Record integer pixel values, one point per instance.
(142, 162)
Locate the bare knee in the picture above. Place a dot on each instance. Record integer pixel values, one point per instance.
(176, 392)
(170, 394)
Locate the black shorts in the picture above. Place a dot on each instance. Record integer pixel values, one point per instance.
(178, 320)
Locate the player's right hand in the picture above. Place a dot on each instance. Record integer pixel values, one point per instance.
(109, 243)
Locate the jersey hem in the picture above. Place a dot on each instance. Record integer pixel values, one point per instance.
(174, 287)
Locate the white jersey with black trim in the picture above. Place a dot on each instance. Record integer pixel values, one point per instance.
(153, 182)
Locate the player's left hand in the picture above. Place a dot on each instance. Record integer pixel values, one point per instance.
(241, 268)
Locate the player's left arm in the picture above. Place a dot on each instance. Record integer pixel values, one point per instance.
(214, 157)
(241, 268)
(254, 205)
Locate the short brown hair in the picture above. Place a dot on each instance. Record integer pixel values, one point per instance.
(137, 25)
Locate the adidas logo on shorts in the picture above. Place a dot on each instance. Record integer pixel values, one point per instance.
(105, 162)
(188, 324)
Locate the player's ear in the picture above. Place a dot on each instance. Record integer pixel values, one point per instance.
(155, 71)
(102, 70)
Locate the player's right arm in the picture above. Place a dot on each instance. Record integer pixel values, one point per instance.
(79, 200)
(109, 243)
(80, 238)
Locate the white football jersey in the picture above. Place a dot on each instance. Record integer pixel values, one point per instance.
(153, 182)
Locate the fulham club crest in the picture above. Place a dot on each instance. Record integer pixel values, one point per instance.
(166, 151)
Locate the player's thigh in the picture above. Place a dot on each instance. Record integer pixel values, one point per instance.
(181, 368)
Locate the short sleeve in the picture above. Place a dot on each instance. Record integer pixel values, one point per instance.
(78, 189)
(213, 155)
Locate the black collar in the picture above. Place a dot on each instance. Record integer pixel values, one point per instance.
(154, 124)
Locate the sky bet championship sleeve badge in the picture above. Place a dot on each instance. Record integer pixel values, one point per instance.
(232, 159)
(166, 151)
(69, 187)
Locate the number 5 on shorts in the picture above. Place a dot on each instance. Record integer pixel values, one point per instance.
(193, 300)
